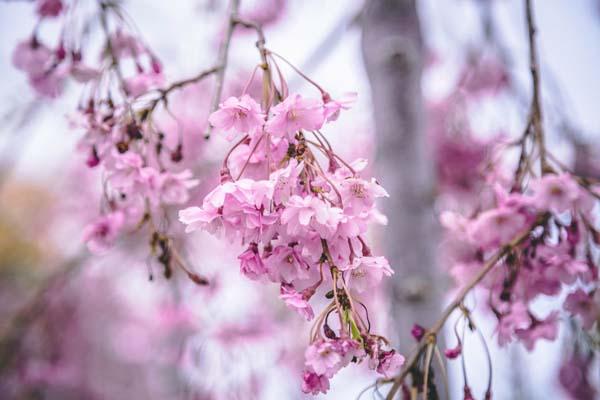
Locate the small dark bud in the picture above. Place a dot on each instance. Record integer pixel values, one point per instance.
(329, 295)
(122, 147)
(156, 66)
(61, 53)
(417, 332)
(144, 114)
(134, 132)
(291, 152)
(177, 154)
(505, 295)
(329, 333)
(511, 258)
(197, 279)
(35, 43)
(93, 160)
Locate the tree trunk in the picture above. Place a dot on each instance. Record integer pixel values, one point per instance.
(393, 54)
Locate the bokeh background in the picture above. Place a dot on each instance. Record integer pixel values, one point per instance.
(76, 326)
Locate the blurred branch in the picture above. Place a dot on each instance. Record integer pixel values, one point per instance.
(329, 43)
(18, 137)
(536, 105)
(222, 61)
(11, 341)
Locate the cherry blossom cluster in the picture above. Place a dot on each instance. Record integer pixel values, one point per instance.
(142, 166)
(554, 254)
(303, 225)
(549, 208)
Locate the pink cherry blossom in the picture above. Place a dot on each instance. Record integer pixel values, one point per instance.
(285, 181)
(303, 213)
(167, 187)
(517, 318)
(50, 83)
(297, 301)
(580, 303)
(323, 357)
(359, 195)
(286, 264)
(32, 57)
(101, 234)
(251, 263)
(142, 82)
(333, 107)
(574, 377)
(314, 384)
(127, 171)
(545, 329)
(49, 8)
(367, 272)
(294, 114)
(198, 218)
(242, 115)
(557, 193)
(496, 227)
(328, 356)
(126, 45)
(390, 363)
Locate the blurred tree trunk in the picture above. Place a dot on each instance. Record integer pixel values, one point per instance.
(393, 55)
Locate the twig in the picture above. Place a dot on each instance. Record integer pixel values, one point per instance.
(536, 105)
(222, 61)
(109, 47)
(164, 93)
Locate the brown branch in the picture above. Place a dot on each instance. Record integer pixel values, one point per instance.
(222, 61)
(164, 93)
(109, 46)
(536, 104)
(456, 303)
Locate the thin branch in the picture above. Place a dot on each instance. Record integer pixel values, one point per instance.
(222, 61)
(110, 48)
(164, 93)
(536, 105)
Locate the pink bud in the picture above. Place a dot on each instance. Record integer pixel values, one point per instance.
(418, 332)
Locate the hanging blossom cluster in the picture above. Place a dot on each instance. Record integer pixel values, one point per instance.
(553, 212)
(515, 235)
(142, 166)
(554, 253)
(532, 235)
(303, 224)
